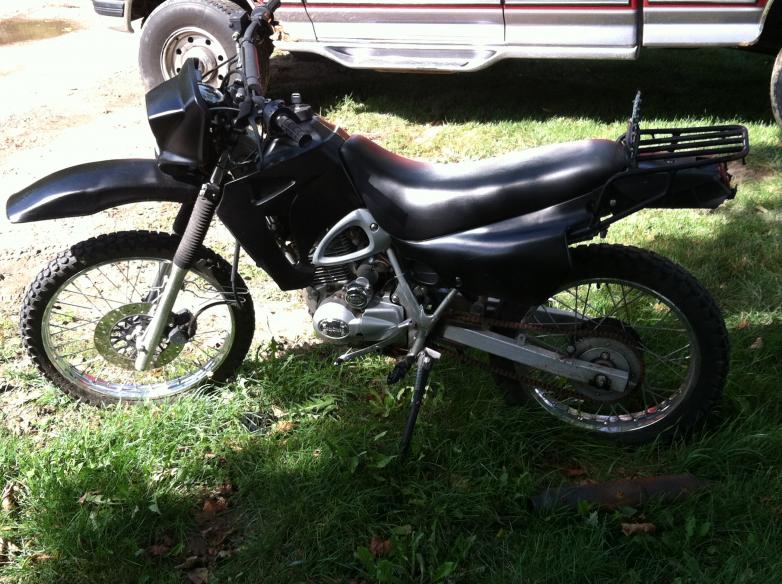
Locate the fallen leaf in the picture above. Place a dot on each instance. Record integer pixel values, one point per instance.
(41, 557)
(743, 324)
(198, 576)
(189, 563)
(9, 498)
(225, 489)
(634, 528)
(459, 482)
(157, 550)
(758, 344)
(575, 472)
(213, 506)
(217, 535)
(284, 426)
(379, 547)
(24, 398)
(89, 497)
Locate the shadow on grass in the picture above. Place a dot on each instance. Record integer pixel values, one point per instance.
(717, 83)
(307, 499)
(735, 249)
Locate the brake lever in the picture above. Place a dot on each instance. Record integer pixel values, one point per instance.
(265, 12)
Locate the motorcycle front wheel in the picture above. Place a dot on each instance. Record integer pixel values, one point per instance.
(83, 313)
(631, 309)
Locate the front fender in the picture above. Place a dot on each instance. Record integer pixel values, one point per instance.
(96, 186)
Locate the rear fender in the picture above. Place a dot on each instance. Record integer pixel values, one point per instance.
(96, 186)
(703, 187)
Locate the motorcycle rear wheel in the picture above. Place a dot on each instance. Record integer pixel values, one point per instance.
(635, 310)
(83, 312)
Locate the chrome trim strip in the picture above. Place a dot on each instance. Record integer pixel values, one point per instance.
(612, 3)
(702, 16)
(326, 3)
(653, 2)
(584, 28)
(405, 26)
(295, 14)
(700, 27)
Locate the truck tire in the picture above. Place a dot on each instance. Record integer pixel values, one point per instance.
(178, 30)
(776, 89)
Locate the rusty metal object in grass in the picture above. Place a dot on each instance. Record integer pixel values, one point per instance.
(620, 493)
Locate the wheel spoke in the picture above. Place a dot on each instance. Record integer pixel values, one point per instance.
(620, 324)
(92, 323)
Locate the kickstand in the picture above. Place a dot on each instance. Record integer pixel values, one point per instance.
(426, 359)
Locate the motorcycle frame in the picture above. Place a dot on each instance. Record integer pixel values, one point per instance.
(419, 322)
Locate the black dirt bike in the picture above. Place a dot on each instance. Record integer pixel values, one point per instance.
(476, 259)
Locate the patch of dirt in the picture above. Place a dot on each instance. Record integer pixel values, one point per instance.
(20, 30)
(77, 98)
(743, 173)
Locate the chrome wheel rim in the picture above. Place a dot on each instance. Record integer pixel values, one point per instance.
(90, 323)
(629, 326)
(192, 42)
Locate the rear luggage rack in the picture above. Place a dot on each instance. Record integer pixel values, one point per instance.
(679, 146)
(668, 168)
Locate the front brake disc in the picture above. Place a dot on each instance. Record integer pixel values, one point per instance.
(116, 334)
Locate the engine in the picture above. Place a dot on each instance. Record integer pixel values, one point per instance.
(352, 304)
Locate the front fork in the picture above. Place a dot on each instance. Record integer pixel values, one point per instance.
(192, 239)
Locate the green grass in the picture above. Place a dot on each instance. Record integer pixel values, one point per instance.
(97, 489)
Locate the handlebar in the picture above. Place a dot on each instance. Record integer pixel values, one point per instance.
(261, 16)
(250, 64)
(275, 115)
(291, 128)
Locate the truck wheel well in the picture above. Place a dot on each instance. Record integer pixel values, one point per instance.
(143, 8)
(771, 36)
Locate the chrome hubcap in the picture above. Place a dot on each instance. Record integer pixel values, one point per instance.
(194, 43)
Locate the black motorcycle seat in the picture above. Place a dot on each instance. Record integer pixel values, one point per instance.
(416, 200)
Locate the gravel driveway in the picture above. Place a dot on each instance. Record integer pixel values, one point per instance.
(72, 98)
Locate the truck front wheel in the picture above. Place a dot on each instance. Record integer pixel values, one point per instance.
(178, 30)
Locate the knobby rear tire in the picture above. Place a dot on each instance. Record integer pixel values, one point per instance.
(689, 296)
(118, 246)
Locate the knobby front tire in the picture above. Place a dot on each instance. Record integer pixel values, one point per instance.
(81, 314)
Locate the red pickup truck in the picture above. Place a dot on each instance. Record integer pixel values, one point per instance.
(452, 35)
